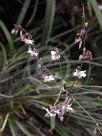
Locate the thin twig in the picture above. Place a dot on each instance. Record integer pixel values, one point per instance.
(4, 123)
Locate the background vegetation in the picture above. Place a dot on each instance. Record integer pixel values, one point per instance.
(52, 23)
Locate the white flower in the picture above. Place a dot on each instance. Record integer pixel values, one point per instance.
(61, 117)
(48, 78)
(14, 31)
(32, 53)
(100, 7)
(28, 41)
(79, 73)
(59, 109)
(66, 107)
(55, 55)
(86, 24)
(86, 55)
(49, 113)
(69, 108)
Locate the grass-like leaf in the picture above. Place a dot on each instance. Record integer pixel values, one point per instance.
(23, 128)
(97, 11)
(12, 128)
(23, 12)
(4, 54)
(49, 18)
(8, 38)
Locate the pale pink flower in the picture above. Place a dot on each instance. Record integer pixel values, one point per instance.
(55, 55)
(79, 74)
(32, 52)
(60, 109)
(49, 113)
(86, 24)
(80, 36)
(86, 55)
(14, 31)
(26, 40)
(67, 108)
(48, 78)
(100, 7)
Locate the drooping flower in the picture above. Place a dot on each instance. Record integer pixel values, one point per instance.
(55, 55)
(33, 52)
(49, 113)
(79, 37)
(28, 41)
(24, 35)
(78, 73)
(86, 55)
(60, 109)
(25, 38)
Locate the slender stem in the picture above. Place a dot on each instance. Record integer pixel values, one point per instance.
(60, 68)
(89, 116)
(61, 89)
(83, 14)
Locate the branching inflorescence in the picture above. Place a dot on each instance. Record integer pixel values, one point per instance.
(62, 107)
(86, 54)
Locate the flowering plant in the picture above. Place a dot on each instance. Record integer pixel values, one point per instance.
(42, 85)
(59, 109)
